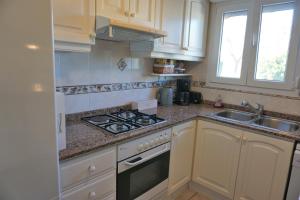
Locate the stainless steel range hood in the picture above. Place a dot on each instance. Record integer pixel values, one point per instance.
(109, 29)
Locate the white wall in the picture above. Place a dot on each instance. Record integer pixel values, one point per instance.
(100, 67)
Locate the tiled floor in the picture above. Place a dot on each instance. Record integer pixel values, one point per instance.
(191, 195)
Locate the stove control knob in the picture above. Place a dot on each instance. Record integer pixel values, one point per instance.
(140, 147)
(166, 138)
(157, 141)
(152, 143)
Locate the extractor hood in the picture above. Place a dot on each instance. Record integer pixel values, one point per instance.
(115, 30)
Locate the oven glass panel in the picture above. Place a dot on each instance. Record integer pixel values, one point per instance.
(138, 180)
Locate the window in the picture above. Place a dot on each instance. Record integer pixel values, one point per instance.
(253, 43)
(232, 44)
(275, 32)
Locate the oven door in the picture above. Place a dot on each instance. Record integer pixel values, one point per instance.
(145, 174)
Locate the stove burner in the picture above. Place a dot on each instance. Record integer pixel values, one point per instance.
(145, 120)
(100, 119)
(126, 115)
(118, 127)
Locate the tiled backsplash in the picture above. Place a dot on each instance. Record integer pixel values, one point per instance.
(94, 81)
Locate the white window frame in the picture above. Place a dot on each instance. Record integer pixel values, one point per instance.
(251, 44)
(216, 36)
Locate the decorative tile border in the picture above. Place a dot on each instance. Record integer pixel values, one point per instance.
(201, 84)
(99, 88)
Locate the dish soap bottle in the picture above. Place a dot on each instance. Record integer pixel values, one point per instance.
(219, 102)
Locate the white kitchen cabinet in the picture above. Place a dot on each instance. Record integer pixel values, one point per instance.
(181, 161)
(133, 12)
(102, 188)
(74, 24)
(76, 171)
(172, 22)
(142, 12)
(239, 164)
(195, 28)
(116, 9)
(186, 27)
(217, 157)
(264, 168)
(90, 177)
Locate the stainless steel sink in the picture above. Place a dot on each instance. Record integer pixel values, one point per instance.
(236, 115)
(279, 124)
(259, 121)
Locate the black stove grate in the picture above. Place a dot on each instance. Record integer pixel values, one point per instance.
(123, 121)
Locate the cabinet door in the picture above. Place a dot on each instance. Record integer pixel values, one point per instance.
(264, 167)
(171, 20)
(113, 9)
(74, 21)
(216, 157)
(195, 29)
(183, 137)
(142, 12)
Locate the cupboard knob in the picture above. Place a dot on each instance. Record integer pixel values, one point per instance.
(244, 139)
(92, 195)
(92, 168)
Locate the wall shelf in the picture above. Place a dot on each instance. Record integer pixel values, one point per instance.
(169, 75)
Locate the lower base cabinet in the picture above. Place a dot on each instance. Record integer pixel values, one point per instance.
(90, 177)
(101, 188)
(181, 161)
(241, 165)
(263, 169)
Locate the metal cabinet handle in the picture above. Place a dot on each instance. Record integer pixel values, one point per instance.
(92, 168)
(245, 139)
(60, 123)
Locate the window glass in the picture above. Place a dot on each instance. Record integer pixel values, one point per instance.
(274, 39)
(232, 44)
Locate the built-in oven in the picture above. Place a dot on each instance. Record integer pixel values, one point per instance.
(144, 175)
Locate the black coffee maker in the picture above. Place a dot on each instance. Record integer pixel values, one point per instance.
(183, 92)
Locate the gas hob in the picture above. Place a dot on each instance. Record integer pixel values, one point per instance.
(123, 121)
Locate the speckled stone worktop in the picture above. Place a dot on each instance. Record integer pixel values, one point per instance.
(83, 138)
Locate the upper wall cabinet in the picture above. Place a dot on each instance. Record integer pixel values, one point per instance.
(135, 12)
(172, 22)
(142, 12)
(113, 9)
(74, 24)
(195, 29)
(186, 28)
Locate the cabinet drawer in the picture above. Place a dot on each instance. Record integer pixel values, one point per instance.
(75, 171)
(98, 189)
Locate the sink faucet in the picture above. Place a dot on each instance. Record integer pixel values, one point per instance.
(258, 110)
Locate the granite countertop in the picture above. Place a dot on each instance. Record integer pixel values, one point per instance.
(83, 138)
